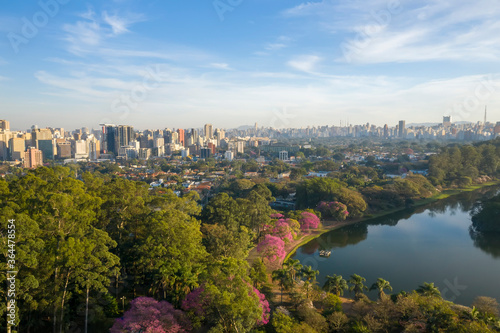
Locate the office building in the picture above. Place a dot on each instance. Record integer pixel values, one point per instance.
(402, 129)
(110, 133)
(5, 136)
(47, 147)
(64, 150)
(205, 153)
(283, 155)
(446, 121)
(124, 136)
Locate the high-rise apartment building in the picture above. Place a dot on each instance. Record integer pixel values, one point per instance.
(4, 125)
(209, 131)
(17, 148)
(181, 138)
(33, 158)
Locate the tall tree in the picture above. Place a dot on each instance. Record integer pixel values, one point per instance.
(284, 279)
(309, 275)
(335, 284)
(357, 285)
(429, 289)
(381, 285)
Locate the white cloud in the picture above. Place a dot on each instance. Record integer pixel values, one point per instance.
(220, 66)
(375, 32)
(119, 24)
(305, 63)
(84, 35)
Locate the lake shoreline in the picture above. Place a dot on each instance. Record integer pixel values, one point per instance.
(293, 246)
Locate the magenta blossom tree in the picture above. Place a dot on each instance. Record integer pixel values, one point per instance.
(150, 316)
(283, 231)
(309, 221)
(334, 209)
(264, 304)
(276, 216)
(272, 248)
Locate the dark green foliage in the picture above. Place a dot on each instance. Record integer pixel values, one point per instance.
(454, 165)
(487, 218)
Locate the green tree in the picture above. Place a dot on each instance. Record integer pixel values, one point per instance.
(284, 279)
(429, 289)
(169, 254)
(381, 285)
(335, 284)
(357, 285)
(230, 303)
(293, 266)
(309, 275)
(258, 273)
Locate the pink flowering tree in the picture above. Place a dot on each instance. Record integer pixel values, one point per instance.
(277, 216)
(264, 304)
(309, 221)
(284, 231)
(227, 302)
(334, 209)
(272, 248)
(150, 316)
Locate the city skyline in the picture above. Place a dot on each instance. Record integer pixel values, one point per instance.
(282, 64)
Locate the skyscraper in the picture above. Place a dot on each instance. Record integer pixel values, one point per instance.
(182, 140)
(209, 131)
(125, 135)
(402, 128)
(110, 139)
(446, 121)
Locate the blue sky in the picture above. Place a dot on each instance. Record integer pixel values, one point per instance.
(157, 64)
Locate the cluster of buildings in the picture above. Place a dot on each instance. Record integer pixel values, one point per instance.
(442, 131)
(122, 142)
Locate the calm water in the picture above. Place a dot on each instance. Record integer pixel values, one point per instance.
(428, 244)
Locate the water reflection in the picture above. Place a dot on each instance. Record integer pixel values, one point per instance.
(466, 202)
(487, 242)
(431, 243)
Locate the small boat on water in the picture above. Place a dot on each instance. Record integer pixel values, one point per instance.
(324, 253)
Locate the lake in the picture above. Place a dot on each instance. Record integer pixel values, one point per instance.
(428, 244)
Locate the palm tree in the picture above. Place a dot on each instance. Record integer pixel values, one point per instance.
(310, 276)
(293, 266)
(284, 279)
(335, 284)
(380, 285)
(357, 285)
(429, 289)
